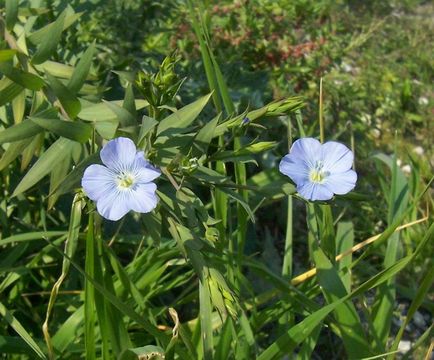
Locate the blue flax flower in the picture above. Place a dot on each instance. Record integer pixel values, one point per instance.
(319, 170)
(124, 183)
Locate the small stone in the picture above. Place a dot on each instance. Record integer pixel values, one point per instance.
(419, 320)
(404, 346)
(419, 150)
(406, 169)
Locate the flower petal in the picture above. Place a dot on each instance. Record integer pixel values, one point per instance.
(97, 181)
(314, 191)
(114, 205)
(143, 170)
(143, 198)
(307, 150)
(118, 154)
(341, 183)
(295, 168)
(337, 157)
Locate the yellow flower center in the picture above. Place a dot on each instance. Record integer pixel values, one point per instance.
(125, 181)
(317, 174)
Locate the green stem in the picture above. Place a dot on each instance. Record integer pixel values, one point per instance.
(89, 292)
(321, 118)
(287, 256)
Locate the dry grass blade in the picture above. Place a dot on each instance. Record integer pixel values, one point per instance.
(308, 274)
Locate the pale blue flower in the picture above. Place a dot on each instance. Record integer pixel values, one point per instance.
(124, 183)
(319, 170)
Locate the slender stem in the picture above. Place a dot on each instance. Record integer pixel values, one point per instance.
(321, 118)
(287, 256)
(89, 297)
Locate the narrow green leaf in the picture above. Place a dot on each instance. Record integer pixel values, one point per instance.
(424, 288)
(44, 165)
(124, 116)
(72, 180)
(385, 298)
(147, 125)
(205, 320)
(89, 291)
(20, 77)
(123, 307)
(31, 236)
(9, 93)
(16, 325)
(49, 40)
(73, 130)
(19, 107)
(347, 319)
(102, 112)
(12, 152)
(19, 132)
(81, 71)
(7, 54)
(11, 13)
(239, 200)
(68, 100)
(129, 101)
(40, 35)
(70, 247)
(184, 116)
(286, 343)
(344, 241)
(204, 137)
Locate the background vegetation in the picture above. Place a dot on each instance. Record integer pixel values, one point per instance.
(215, 271)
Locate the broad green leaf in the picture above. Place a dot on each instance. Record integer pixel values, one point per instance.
(183, 117)
(81, 70)
(19, 132)
(49, 41)
(8, 93)
(73, 130)
(68, 100)
(20, 77)
(44, 165)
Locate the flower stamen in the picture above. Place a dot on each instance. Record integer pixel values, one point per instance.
(125, 181)
(317, 173)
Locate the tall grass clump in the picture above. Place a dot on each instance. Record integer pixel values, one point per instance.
(146, 216)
